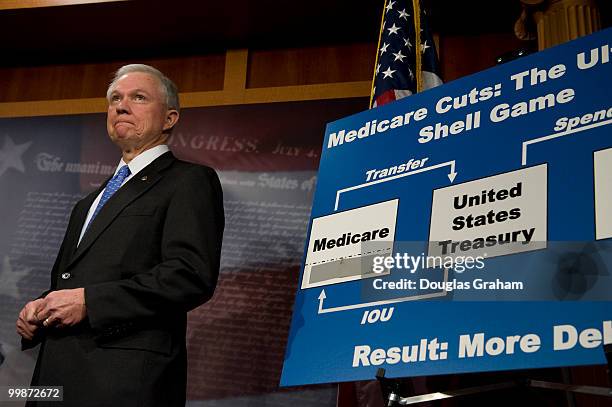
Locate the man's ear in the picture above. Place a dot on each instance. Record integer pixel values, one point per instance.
(172, 117)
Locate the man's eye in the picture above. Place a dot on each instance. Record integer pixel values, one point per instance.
(139, 98)
(115, 98)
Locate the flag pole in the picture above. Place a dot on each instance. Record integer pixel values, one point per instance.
(416, 9)
(382, 19)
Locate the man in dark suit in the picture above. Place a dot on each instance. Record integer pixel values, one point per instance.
(137, 255)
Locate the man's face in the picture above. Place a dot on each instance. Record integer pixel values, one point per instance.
(137, 113)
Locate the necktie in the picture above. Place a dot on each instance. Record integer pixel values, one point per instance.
(112, 187)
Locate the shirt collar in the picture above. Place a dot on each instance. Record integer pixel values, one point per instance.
(143, 159)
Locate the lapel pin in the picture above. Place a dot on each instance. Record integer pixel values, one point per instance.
(143, 178)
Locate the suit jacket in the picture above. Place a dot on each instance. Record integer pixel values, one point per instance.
(150, 255)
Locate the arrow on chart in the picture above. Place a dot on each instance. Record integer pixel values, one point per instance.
(323, 296)
(561, 134)
(451, 176)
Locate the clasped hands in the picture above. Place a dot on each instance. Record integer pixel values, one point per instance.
(58, 309)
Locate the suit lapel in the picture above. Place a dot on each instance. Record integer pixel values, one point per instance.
(129, 192)
(80, 215)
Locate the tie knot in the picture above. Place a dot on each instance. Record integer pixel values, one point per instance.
(123, 172)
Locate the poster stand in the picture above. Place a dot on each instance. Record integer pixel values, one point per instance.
(392, 389)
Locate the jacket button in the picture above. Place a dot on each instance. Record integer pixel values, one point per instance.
(66, 276)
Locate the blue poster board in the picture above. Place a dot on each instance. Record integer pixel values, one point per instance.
(464, 229)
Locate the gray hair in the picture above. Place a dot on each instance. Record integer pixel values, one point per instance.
(167, 87)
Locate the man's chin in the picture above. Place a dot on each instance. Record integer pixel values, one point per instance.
(122, 133)
(125, 142)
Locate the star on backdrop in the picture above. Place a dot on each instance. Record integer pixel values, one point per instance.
(9, 278)
(10, 155)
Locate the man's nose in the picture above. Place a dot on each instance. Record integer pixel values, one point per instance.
(122, 107)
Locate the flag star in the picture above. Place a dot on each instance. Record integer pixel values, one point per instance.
(390, 6)
(10, 155)
(407, 43)
(399, 56)
(393, 29)
(377, 68)
(388, 73)
(403, 14)
(384, 48)
(424, 47)
(411, 74)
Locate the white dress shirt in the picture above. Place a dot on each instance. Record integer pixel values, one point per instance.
(137, 164)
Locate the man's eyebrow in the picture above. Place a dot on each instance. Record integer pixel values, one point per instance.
(137, 90)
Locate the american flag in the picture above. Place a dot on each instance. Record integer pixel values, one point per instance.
(397, 62)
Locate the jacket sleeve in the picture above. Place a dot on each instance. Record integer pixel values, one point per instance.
(190, 257)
